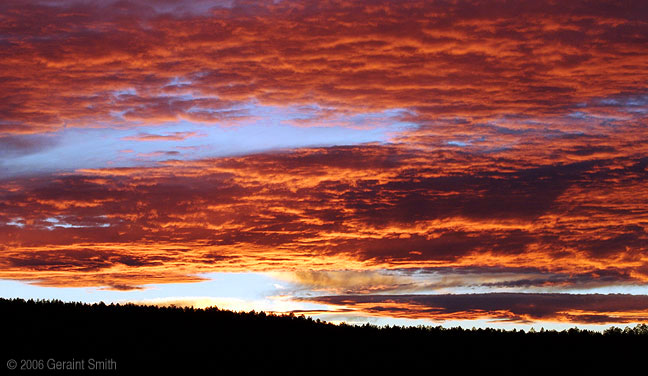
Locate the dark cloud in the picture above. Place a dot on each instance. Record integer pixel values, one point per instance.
(515, 307)
(19, 145)
(81, 259)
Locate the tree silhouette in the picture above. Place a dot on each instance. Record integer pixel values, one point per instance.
(149, 339)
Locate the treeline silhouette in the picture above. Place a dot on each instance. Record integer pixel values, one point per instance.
(154, 339)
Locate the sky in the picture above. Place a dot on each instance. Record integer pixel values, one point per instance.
(472, 163)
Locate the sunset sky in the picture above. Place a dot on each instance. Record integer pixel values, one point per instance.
(474, 163)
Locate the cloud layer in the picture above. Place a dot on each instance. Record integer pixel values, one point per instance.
(128, 63)
(512, 307)
(520, 165)
(331, 208)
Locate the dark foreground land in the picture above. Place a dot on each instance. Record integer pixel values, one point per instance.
(52, 337)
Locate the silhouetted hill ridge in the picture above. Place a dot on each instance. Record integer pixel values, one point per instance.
(150, 338)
